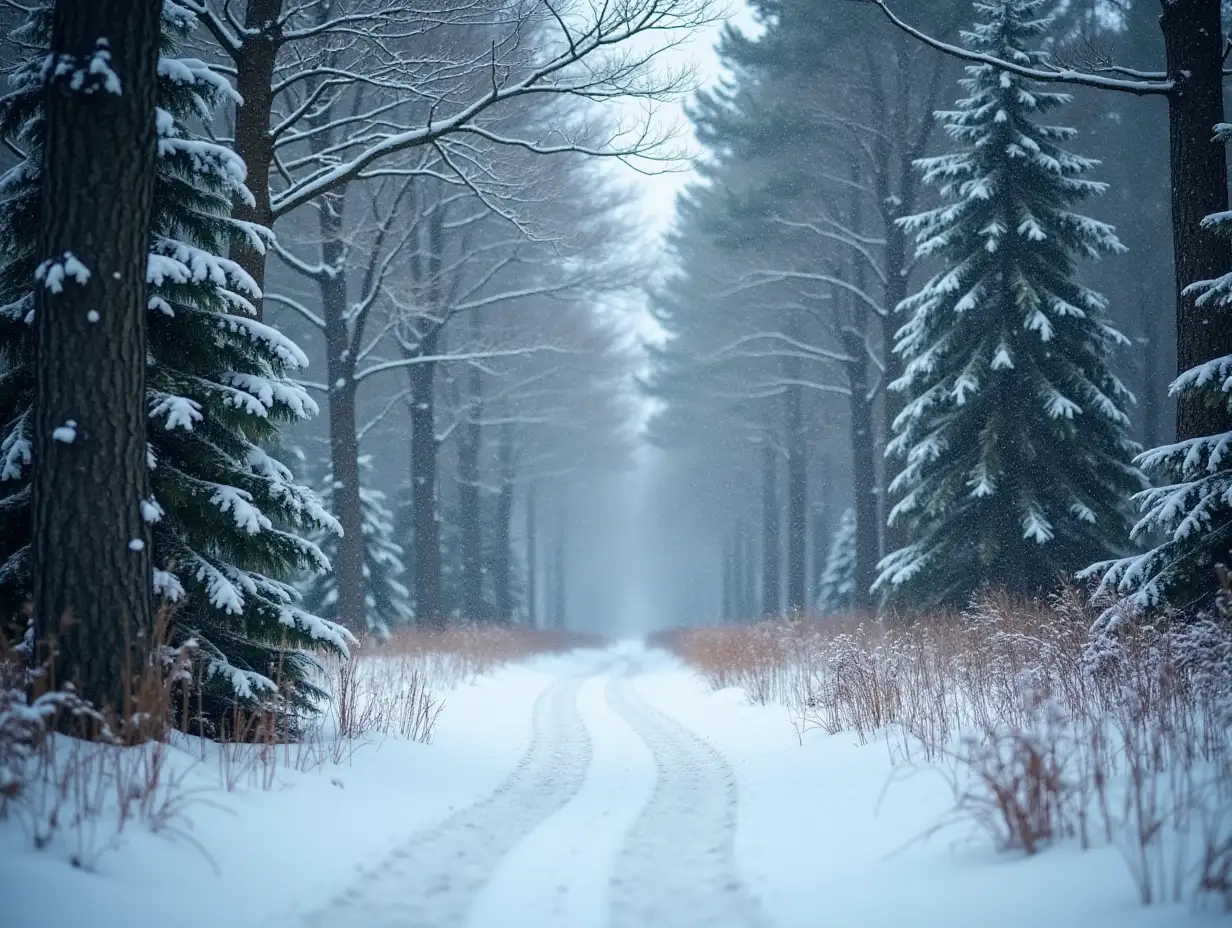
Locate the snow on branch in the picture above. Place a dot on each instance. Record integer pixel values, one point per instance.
(587, 50)
(1138, 86)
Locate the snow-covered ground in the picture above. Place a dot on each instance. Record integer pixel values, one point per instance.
(600, 788)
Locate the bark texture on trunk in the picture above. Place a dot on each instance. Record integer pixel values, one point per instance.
(1193, 41)
(1193, 45)
(1154, 385)
(864, 470)
(347, 505)
(897, 185)
(254, 80)
(470, 516)
(822, 519)
(820, 545)
(90, 558)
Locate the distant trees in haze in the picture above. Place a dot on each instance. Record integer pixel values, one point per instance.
(798, 217)
(354, 171)
(789, 264)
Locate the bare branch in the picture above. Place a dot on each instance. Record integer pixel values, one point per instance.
(1141, 88)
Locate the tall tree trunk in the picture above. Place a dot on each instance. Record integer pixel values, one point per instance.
(532, 558)
(725, 578)
(425, 521)
(1153, 388)
(863, 474)
(469, 514)
(748, 557)
(502, 565)
(863, 440)
(90, 556)
(820, 546)
(425, 447)
(254, 81)
(738, 602)
(559, 597)
(772, 533)
(895, 293)
(345, 499)
(821, 524)
(797, 490)
(897, 186)
(1193, 46)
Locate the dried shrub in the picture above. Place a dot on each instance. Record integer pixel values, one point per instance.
(70, 769)
(1049, 724)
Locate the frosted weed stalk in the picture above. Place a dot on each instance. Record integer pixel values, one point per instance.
(389, 688)
(74, 773)
(76, 777)
(1047, 726)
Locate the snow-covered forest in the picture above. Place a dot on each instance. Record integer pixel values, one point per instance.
(615, 462)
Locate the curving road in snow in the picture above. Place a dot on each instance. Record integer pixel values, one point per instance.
(616, 816)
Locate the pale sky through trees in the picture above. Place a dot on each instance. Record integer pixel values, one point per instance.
(622, 517)
(659, 190)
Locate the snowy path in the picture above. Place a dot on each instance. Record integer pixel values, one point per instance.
(434, 878)
(616, 816)
(678, 869)
(596, 789)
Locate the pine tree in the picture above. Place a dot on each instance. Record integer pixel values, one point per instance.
(1014, 435)
(226, 516)
(838, 580)
(386, 596)
(1191, 515)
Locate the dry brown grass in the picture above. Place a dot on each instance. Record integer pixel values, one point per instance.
(463, 652)
(70, 771)
(1045, 729)
(68, 767)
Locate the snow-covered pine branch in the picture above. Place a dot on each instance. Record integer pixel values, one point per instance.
(1187, 521)
(232, 519)
(1133, 82)
(1016, 457)
(387, 598)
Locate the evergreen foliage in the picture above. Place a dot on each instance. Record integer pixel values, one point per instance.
(228, 518)
(1190, 516)
(838, 579)
(1014, 436)
(386, 596)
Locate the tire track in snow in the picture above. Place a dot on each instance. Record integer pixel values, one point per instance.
(560, 875)
(678, 868)
(432, 881)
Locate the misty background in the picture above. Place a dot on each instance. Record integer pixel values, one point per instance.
(634, 538)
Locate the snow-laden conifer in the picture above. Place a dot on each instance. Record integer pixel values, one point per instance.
(386, 596)
(1016, 459)
(228, 518)
(1188, 520)
(836, 592)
